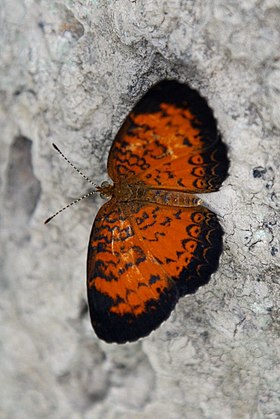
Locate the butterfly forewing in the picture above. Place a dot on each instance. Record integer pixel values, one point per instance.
(170, 140)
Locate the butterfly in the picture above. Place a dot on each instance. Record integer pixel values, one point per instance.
(154, 241)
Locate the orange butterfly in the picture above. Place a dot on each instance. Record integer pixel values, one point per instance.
(154, 241)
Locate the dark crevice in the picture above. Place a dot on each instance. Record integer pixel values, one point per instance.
(23, 189)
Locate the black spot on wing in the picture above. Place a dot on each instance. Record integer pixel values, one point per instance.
(207, 250)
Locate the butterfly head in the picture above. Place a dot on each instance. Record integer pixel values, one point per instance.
(106, 190)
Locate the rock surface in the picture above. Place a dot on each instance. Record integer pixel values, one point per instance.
(70, 72)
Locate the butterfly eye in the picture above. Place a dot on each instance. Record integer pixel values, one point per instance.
(105, 184)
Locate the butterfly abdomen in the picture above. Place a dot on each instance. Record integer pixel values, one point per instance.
(165, 197)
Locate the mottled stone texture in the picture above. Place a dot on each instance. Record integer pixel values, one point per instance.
(70, 72)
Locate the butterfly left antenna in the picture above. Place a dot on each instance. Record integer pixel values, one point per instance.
(78, 199)
(69, 205)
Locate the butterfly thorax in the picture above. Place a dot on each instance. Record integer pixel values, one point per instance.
(125, 192)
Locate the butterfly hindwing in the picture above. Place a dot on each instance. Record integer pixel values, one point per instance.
(141, 259)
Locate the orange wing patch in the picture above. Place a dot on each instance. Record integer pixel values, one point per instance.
(153, 242)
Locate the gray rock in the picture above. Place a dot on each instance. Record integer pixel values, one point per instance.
(70, 73)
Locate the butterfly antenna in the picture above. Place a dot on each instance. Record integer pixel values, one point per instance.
(69, 205)
(81, 174)
(74, 167)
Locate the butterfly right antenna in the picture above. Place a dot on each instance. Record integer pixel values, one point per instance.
(73, 166)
